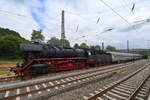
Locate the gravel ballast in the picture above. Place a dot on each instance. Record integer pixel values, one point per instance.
(78, 93)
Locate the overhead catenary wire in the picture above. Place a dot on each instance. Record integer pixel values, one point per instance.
(88, 13)
(124, 1)
(115, 11)
(12, 13)
(59, 25)
(82, 16)
(20, 15)
(143, 20)
(28, 17)
(130, 10)
(98, 18)
(85, 13)
(119, 15)
(102, 12)
(16, 15)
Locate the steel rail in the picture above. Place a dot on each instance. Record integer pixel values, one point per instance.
(117, 83)
(132, 96)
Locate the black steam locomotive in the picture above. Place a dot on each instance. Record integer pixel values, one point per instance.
(39, 59)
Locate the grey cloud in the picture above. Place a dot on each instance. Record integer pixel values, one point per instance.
(21, 2)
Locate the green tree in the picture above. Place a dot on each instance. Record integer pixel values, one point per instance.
(9, 46)
(92, 47)
(66, 43)
(37, 36)
(76, 45)
(6, 31)
(54, 41)
(84, 46)
(97, 47)
(110, 48)
(57, 42)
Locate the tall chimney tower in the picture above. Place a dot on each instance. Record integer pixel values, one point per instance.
(62, 28)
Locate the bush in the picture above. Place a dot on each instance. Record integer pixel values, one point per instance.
(9, 46)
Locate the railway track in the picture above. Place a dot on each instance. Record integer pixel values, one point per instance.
(29, 90)
(14, 78)
(8, 79)
(135, 86)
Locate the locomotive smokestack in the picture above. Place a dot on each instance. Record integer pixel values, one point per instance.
(62, 29)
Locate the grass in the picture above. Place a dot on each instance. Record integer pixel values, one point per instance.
(5, 62)
(6, 73)
(10, 60)
(8, 65)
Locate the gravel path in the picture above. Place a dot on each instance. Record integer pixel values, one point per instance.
(77, 94)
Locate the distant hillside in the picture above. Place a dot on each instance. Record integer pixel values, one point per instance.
(9, 44)
(138, 51)
(5, 31)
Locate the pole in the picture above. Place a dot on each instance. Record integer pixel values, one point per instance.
(62, 28)
(102, 45)
(148, 48)
(128, 46)
(133, 53)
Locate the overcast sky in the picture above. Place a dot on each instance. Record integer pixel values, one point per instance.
(89, 21)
